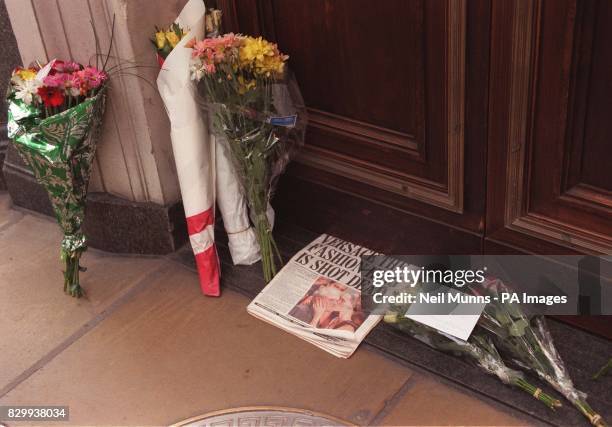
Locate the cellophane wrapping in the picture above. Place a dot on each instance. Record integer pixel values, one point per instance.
(262, 129)
(60, 149)
(526, 341)
(205, 171)
(505, 335)
(479, 350)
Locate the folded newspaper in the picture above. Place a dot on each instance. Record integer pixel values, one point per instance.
(317, 296)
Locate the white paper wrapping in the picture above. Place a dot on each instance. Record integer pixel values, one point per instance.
(192, 147)
(180, 100)
(242, 241)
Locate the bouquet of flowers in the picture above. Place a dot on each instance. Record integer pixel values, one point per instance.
(205, 171)
(54, 114)
(526, 342)
(479, 350)
(257, 107)
(165, 40)
(505, 335)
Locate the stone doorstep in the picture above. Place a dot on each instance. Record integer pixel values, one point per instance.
(31, 287)
(570, 342)
(582, 352)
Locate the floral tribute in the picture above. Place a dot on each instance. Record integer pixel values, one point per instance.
(54, 114)
(257, 106)
(506, 336)
(56, 87)
(165, 40)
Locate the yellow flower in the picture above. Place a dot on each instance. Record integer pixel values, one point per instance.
(27, 74)
(172, 38)
(160, 39)
(261, 57)
(245, 85)
(254, 49)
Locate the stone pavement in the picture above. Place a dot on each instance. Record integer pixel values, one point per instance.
(146, 348)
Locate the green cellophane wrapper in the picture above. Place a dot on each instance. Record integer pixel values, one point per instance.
(60, 150)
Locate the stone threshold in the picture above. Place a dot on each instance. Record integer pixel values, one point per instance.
(582, 352)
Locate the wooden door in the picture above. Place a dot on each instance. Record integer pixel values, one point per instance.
(396, 95)
(449, 126)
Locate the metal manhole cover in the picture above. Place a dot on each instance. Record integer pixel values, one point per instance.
(262, 417)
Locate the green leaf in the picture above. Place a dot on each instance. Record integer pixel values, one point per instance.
(517, 329)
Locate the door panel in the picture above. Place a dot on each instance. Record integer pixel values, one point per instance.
(552, 143)
(366, 98)
(385, 87)
(342, 33)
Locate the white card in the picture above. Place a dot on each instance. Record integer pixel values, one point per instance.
(456, 319)
(460, 326)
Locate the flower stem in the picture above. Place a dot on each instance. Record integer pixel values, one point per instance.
(588, 412)
(71, 274)
(268, 247)
(536, 392)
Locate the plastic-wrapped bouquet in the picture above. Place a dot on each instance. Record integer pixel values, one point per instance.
(505, 335)
(257, 106)
(54, 113)
(526, 342)
(479, 350)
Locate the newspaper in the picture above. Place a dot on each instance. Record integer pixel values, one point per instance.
(317, 296)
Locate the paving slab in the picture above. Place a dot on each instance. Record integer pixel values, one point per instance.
(35, 315)
(428, 402)
(7, 214)
(170, 354)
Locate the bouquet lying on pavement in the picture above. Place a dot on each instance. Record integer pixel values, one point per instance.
(505, 335)
(54, 114)
(479, 350)
(257, 107)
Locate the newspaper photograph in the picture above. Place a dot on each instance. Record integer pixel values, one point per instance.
(317, 296)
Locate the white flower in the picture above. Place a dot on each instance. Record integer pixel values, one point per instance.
(27, 90)
(196, 70)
